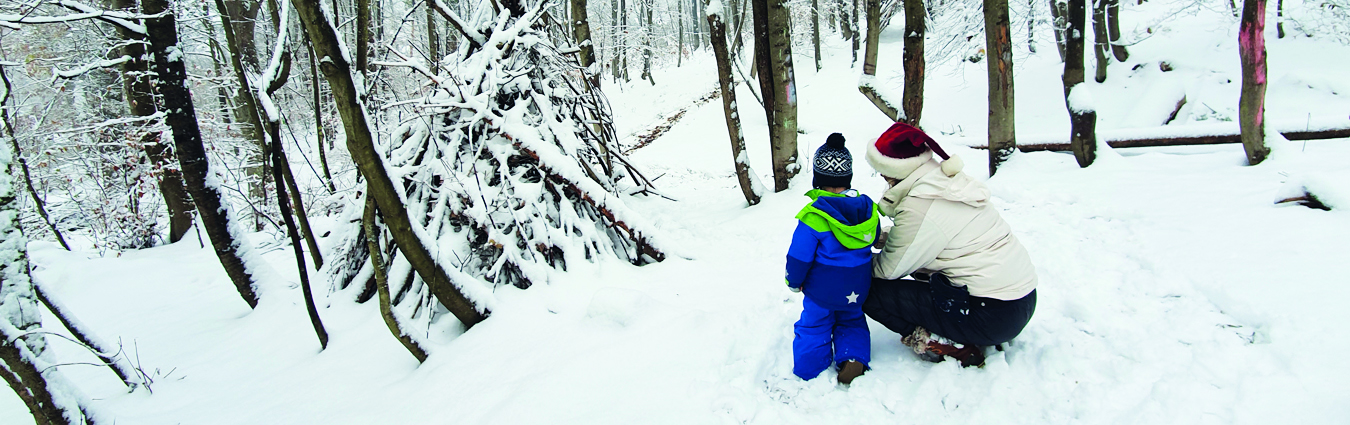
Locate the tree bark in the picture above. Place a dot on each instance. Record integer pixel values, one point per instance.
(137, 92)
(240, 24)
(914, 62)
(647, 44)
(1252, 103)
(361, 145)
(998, 43)
(1101, 46)
(867, 85)
(320, 132)
(363, 35)
(1279, 18)
(854, 18)
(382, 284)
(581, 30)
(776, 67)
(623, 28)
(1113, 30)
(433, 42)
(679, 52)
(815, 30)
(1082, 120)
(181, 117)
(279, 164)
(1059, 10)
(717, 30)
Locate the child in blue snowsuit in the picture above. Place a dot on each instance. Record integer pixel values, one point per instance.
(830, 260)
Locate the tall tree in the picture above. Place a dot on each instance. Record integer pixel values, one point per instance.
(240, 18)
(360, 142)
(181, 117)
(137, 92)
(1082, 114)
(1252, 102)
(1101, 45)
(815, 30)
(915, 28)
(998, 43)
(749, 182)
(1113, 30)
(647, 43)
(867, 84)
(581, 31)
(773, 29)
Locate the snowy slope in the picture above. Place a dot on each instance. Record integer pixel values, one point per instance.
(1172, 289)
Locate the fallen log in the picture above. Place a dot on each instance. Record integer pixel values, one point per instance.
(1188, 135)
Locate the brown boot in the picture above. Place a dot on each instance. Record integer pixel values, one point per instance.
(935, 348)
(849, 370)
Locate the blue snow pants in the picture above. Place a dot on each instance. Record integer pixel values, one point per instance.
(824, 336)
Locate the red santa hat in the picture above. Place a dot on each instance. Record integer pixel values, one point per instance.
(902, 148)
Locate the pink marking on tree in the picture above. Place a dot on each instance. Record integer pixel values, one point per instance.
(1251, 37)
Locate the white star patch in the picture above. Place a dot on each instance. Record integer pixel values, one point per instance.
(852, 297)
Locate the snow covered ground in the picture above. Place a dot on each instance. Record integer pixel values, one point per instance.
(1172, 289)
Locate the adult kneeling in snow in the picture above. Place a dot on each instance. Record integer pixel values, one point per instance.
(974, 284)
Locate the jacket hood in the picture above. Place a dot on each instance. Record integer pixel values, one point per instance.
(929, 182)
(852, 219)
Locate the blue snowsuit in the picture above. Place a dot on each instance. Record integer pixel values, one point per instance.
(830, 261)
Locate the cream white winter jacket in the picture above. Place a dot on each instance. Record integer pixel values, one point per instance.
(946, 225)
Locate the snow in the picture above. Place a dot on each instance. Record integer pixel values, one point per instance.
(1172, 288)
(1080, 99)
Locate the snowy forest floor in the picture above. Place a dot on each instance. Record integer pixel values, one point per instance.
(1172, 289)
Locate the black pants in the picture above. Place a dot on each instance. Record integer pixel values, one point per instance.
(902, 304)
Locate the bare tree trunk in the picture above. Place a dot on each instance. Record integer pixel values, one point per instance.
(363, 35)
(815, 30)
(616, 34)
(581, 27)
(1082, 116)
(23, 164)
(279, 163)
(845, 22)
(137, 92)
(433, 42)
(854, 18)
(867, 84)
(1279, 18)
(123, 371)
(320, 132)
(773, 31)
(718, 38)
(1031, 26)
(240, 21)
(647, 44)
(998, 43)
(679, 53)
(1113, 30)
(1059, 10)
(915, 28)
(1252, 103)
(23, 377)
(361, 145)
(623, 28)
(382, 283)
(181, 117)
(1101, 46)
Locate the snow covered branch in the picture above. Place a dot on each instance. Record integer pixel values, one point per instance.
(106, 63)
(82, 11)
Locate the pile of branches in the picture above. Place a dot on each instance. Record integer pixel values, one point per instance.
(511, 166)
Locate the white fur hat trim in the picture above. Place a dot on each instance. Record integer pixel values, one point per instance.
(896, 168)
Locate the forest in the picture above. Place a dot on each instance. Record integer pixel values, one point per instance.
(475, 182)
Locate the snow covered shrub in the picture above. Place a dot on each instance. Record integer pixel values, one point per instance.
(511, 165)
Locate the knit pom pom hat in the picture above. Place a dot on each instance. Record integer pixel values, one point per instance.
(902, 148)
(833, 165)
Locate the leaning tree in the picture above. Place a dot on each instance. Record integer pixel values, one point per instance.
(507, 170)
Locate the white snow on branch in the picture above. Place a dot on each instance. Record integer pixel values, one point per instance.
(1080, 99)
(84, 12)
(106, 63)
(715, 8)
